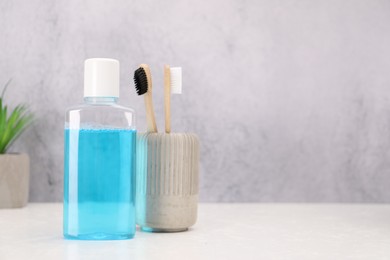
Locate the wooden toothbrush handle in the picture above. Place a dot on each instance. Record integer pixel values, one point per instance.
(167, 98)
(150, 118)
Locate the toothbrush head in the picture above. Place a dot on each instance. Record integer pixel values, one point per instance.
(176, 80)
(140, 81)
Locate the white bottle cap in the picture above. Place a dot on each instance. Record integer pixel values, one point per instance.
(101, 78)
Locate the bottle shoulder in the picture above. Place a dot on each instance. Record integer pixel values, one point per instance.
(99, 107)
(109, 115)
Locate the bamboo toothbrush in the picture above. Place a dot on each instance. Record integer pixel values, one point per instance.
(172, 85)
(143, 86)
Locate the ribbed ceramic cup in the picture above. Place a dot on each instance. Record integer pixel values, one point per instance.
(167, 181)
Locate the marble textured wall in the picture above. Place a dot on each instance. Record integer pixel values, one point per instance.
(291, 99)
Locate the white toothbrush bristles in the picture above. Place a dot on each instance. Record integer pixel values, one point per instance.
(176, 82)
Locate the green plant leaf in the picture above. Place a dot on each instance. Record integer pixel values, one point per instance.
(13, 125)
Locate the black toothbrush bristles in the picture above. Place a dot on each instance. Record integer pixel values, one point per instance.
(141, 81)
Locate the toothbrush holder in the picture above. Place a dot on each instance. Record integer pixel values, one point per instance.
(167, 181)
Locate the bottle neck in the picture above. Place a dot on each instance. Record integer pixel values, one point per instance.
(101, 100)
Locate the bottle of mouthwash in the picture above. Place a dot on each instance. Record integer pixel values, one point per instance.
(99, 172)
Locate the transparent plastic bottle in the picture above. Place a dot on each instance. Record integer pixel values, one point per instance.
(99, 159)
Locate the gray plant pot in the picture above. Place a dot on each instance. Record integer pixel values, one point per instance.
(14, 180)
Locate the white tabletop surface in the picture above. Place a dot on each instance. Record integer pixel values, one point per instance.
(223, 231)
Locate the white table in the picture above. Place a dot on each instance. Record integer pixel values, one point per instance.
(223, 231)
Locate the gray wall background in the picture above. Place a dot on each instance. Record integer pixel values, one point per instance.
(291, 99)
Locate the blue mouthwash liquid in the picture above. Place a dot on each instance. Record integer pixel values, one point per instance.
(99, 184)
